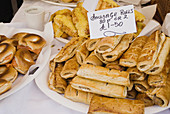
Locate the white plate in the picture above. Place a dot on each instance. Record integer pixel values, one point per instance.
(57, 2)
(42, 83)
(22, 80)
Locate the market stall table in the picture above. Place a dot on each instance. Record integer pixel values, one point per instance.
(30, 99)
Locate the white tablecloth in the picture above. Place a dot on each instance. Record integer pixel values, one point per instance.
(30, 100)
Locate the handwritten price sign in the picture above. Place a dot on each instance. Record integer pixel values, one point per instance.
(111, 22)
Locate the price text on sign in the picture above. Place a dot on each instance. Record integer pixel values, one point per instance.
(111, 22)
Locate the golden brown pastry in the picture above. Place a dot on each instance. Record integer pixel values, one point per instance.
(114, 65)
(105, 105)
(129, 58)
(160, 61)
(65, 23)
(69, 49)
(19, 35)
(103, 74)
(22, 60)
(98, 87)
(52, 65)
(93, 59)
(55, 81)
(2, 38)
(70, 68)
(107, 44)
(100, 57)
(78, 95)
(4, 86)
(106, 4)
(132, 94)
(141, 86)
(139, 17)
(12, 41)
(150, 52)
(32, 42)
(120, 48)
(92, 43)
(7, 52)
(8, 73)
(82, 53)
(147, 101)
(83, 10)
(81, 23)
(57, 31)
(135, 74)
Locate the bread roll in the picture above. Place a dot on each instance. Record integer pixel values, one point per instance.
(105, 105)
(98, 87)
(78, 95)
(103, 74)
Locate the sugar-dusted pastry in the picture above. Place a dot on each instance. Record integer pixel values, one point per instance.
(7, 52)
(159, 80)
(106, 4)
(92, 43)
(147, 101)
(65, 23)
(135, 74)
(107, 44)
(103, 74)
(102, 88)
(55, 81)
(32, 42)
(78, 95)
(132, 94)
(105, 105)
(139, 17)
(129, 58)
(2, 38)
(160, 61)
(4, 85)
(22, 60)
(82, 53)
(150, 52)
(120, 48)
(69, 50)
(81, 23)
(114, 65)
(141, 86)
(70, 68)
(93, 59)
(8, 73)
(161, 96)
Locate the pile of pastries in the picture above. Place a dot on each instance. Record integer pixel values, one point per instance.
(67, 23)
(70, 1)
(105, 72)
(17, 54)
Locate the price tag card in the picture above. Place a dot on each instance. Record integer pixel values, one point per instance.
(111, 22)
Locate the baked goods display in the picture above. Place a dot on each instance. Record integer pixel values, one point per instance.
(17, 54)
(103, 72)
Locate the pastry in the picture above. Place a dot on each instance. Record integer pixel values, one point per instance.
(107, 44)
(105, 105)
(7, 52)
(139, 17)
(129, 58)
(98, 87)
(132, 94)
(55, 81)
(4, 85)
(103, 74)
(32, 42)
(78, 95)
(2, 38)
(70, 68)
(114, 65)
(147, 101)
(150, 52)
(92, 43)
(141, 86)
(160, 61)
(22, 60)
(69, 50)
(139, 27)
(12, 41)
(120, 48)
(100, 57)
(135, 74)
(106, 4)
(93, 60)
(8, 73)
(81, 23)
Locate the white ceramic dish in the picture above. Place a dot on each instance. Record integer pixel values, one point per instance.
(59, 3)
(22, 80)
(42, 83)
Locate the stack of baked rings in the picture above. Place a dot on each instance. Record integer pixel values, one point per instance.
(17, 54)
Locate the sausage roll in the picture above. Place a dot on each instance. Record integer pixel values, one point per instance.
(135, 74)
